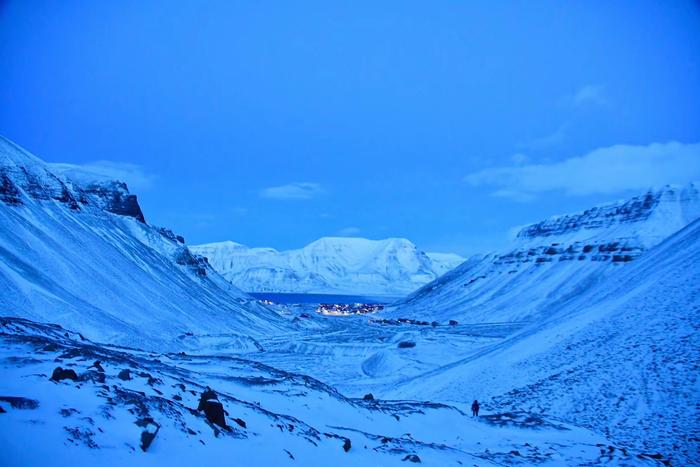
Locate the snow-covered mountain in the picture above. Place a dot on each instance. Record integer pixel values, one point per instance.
(620, 356)
(337, 265)
(81, 255)
(554, 260)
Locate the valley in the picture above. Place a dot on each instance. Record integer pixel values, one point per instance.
(121, 344)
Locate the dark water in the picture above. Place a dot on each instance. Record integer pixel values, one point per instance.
(306, 298)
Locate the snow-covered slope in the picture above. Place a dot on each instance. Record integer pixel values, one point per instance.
(620, 357)
(124, 407)
(553, 260)
(330, 265)
(81, 255)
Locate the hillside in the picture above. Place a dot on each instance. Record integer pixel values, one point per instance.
(82, 255)
(620, 357)
(554, 260)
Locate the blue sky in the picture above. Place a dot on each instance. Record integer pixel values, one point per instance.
(275, 123)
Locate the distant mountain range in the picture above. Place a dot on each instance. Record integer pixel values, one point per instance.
(330, 265)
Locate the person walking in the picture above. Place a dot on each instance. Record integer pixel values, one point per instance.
(475, 408)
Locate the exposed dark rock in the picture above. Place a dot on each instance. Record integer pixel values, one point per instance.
(347, 445)
(609, 247)
(149, 433)
(412, 458)
(622, 258)
(115, 197)
(124, 375)
(98, 366)
(21, 403)
(169, 234)
(207, 394)
(153, 381)
(60, 374)
(198, 264)
(212, 408)
(94, 376)
(240, 422)
(368, 397)
(406, 344)
(9, 193)
(214, 411)
(453, 322)
(68, 412)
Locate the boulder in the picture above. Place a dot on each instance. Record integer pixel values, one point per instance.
(60, 374)
(150, 430)
(347, 444)
(124, 375)
(212, 408)
(214, 411)
(368, 397)
(412, 458)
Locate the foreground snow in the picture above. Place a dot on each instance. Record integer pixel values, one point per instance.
(273, 417)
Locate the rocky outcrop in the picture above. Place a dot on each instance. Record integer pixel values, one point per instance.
(114, 197)
(170, 235)
(197, 264)
(23, 176)
(677, 205)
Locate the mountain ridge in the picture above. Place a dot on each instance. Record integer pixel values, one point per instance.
(85, 258)
(392, 266)
(552, 259)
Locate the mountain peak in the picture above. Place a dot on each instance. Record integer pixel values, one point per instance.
(346, 265)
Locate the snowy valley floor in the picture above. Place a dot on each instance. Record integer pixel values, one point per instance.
(275, 414)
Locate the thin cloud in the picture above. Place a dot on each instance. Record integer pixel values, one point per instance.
(293, 191)
(133, 175)
(589, 94)
(606, 170)
(550, 140)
